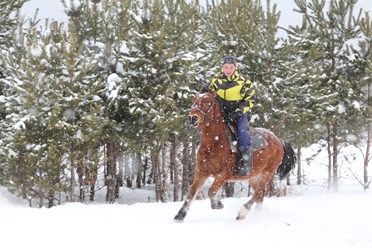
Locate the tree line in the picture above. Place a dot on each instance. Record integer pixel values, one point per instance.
(107, 94)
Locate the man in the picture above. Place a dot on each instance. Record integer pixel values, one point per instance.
(236, 96)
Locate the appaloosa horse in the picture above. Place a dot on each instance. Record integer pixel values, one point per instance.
(216, 159)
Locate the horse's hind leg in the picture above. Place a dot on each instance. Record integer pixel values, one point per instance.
(194, 189)
(257, 197)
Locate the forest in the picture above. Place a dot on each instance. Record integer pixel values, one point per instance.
(106, 96)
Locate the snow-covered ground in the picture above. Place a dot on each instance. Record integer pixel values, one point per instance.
(308, 217)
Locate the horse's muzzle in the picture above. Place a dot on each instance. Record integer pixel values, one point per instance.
(193, 120)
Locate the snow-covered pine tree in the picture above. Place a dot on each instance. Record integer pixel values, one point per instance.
(8, 20)
(160, 68)
(182, 39)
(362, 70)
(330, 29)
(8, 17)
(52, 97)
(33, 160)
(82, 108)
(298, 105)
(100, 26)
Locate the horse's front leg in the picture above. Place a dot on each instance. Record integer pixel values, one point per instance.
(194, 189)
(212, 193)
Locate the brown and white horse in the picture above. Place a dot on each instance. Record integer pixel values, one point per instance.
(215, 158)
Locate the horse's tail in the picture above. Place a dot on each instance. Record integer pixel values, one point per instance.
(288, 162)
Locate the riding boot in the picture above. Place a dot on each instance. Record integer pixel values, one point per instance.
(244, 166)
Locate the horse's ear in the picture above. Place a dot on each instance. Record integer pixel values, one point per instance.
(206, 88)
(214, 94)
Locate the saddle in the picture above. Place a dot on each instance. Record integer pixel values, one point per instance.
(258, 141)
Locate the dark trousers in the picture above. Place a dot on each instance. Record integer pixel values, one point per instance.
(244, 138)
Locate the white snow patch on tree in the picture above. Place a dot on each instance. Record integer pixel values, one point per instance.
(124, 48)
(356, 105)
(36, 51)
(73, 5)
(113, 94)
(341, 109)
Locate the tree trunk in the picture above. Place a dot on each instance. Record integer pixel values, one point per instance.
(51, 199)
(72, 180)
(335, 162)
(299, 167)
(164, 175)
(123, 168)
(111, 172)
(145, 166)
(175, 168)
(366, 182)
(138, 165)
(229, 189)
(329, 157)
(156, 172)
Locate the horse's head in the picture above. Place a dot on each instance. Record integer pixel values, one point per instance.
(205, 108)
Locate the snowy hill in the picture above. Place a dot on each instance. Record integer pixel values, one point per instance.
(307, 217)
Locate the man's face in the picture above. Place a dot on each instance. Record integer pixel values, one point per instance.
(228, 69)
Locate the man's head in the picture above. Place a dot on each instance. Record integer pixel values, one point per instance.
(229, 64)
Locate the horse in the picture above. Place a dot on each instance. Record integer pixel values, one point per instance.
(215, 158)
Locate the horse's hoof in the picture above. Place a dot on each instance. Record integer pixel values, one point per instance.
(240, 217)
(218, 205)
(180, 216)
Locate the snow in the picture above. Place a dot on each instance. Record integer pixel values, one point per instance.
(124, 48)
(112, 81)
(308, 217)
(341, 109)
(73, 5)
(356, 105)
(36, 51)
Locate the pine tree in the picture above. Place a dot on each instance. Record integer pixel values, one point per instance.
(101, 27)
(152, 85)
(32, 158)
(8, 16)
(82, 107)
(297, 103)
(327, 33)
(363, 72)
(55, 110)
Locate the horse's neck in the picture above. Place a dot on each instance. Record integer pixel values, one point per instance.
(214, 132)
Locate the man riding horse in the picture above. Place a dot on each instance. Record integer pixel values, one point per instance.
(236, 97)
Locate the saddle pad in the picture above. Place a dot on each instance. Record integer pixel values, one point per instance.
(258, 141)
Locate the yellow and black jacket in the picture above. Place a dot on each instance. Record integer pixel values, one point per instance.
(235, 93)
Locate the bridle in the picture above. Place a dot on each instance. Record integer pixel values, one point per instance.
(197, 107)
